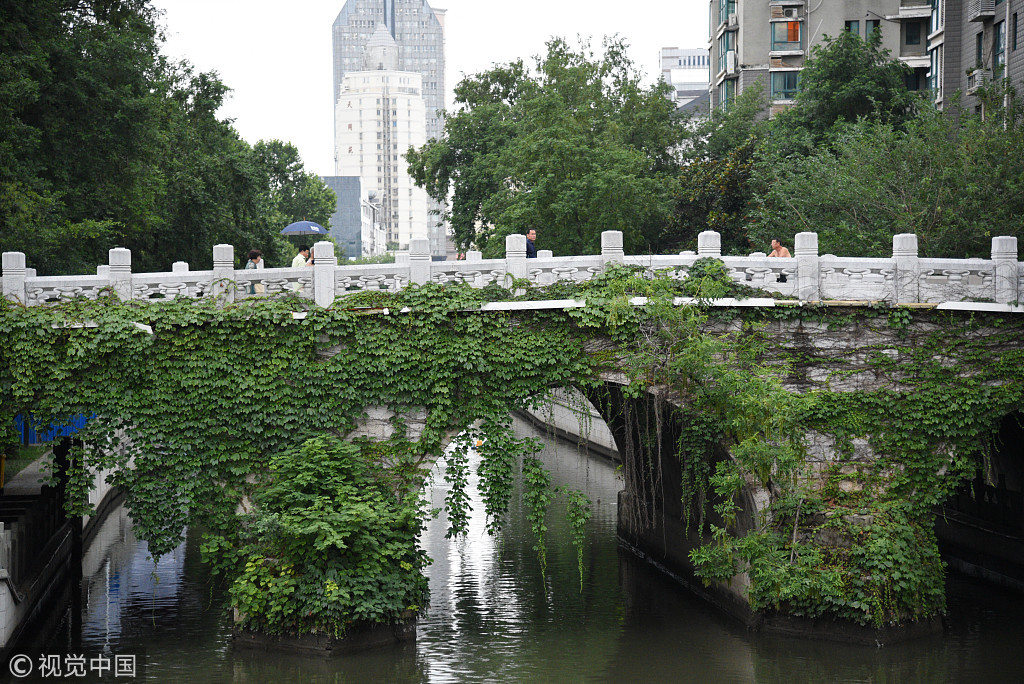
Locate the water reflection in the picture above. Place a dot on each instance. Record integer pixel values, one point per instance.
(493, 619)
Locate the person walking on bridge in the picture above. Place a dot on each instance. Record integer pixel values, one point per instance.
(255, 262)
(531, 249)
(302, 258)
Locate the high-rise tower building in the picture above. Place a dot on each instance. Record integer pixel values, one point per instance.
(378, 116)
(416, 34)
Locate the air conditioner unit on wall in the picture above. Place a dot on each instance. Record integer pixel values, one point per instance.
(730, 63)
(791, 12)
(733, 21)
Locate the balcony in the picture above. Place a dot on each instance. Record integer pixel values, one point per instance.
(981, 10)
(976, 78)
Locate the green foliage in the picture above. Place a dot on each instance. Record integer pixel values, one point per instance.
(106, 143)
(714, 194)
(573, 149)
(328, 545)
(845, 79)
(537, 495)
(862, 547)
(951, 181)
(578, 513)
(294, 193)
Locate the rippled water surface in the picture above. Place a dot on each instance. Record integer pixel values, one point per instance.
(493, 619)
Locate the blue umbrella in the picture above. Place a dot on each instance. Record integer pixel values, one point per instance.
(304, 228)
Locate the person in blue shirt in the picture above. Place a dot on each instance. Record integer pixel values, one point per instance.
(531, 249)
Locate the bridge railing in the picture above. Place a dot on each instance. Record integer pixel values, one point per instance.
(807, 275)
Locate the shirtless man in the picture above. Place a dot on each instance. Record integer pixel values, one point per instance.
(778, 250)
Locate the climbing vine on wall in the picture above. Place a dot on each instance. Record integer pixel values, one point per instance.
(211, 406)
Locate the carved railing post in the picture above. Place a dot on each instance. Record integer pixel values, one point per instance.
(515, 257)
(709, 244)
(1005, 269)
(611, 247)
(808, 273)
(324, 265)
(120, 260)
(419, 261)
(474, 255)
(179, 267)
(224, 273)
(545, 254)
(908, 268)
(14, 277)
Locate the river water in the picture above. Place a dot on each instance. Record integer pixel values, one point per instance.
(493, 619)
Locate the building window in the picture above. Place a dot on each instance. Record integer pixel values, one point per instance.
(935, 73)
(786, 35)
(726, 93)
(999, 49)
(979, 53)
(913, 29)
(784, 85)
(725, 8)
(937, 15)
(726, 44)
(872, 25)
(853, 27)
(1013, 29)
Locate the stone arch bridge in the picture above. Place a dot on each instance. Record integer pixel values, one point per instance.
(853, 354)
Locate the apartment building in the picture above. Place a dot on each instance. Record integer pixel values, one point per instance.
(950, 45)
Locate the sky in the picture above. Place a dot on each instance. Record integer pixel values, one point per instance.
(276, 55)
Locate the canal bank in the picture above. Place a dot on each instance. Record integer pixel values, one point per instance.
(41, 552)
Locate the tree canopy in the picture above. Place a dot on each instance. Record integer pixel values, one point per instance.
(845, 79)
(858, 159)
(573, 148)
(104, 142)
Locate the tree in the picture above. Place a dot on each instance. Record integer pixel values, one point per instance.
(845, 79)
(295, 194)
(714, 194)
(573, 149)
(105, 143)
(954, 181)
(714, 188)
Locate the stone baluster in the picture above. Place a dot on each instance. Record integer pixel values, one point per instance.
(709, 244)
(179, 267)
(515, 257)
(908, 268)
(611, 247)
(475, 256)
(808, 282)
(120, 259)
(419, 261)
(324, 265)
(545, 254)
(224, 273)
(14, 277)
(1005, 269)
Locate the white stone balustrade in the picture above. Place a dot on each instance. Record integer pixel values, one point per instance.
(806, 276)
